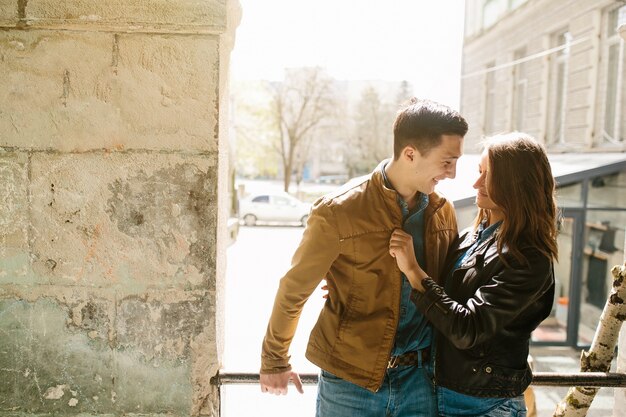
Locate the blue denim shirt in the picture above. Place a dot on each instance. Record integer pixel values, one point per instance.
(414, 332)
(482, 234)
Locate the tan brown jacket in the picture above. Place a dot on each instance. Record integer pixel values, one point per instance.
(346, 241)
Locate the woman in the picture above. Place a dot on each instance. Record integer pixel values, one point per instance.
(500, 284)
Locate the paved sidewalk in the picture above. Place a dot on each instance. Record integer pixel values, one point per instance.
(565, 359)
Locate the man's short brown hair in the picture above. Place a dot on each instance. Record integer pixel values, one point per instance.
(422, 122)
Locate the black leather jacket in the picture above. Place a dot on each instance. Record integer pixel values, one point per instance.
(485, 317)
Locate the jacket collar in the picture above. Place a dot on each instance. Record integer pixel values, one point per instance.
(435, 200)
(484, 252)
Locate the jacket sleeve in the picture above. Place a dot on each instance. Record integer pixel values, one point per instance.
(313, 258)
(493, 305)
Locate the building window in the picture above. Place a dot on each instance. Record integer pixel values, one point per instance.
(520, 81)
(558, 88)
(490, 98)
(613, 124)
(492, 10)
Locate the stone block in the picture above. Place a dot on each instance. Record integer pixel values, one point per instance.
(14, 218)
(124, 220)
(162, 329)
(148, 389)
(135, 14)
(49, 90)
(76, 91)
(8, 12)
(70, 352)
(48, 366)
(154, 344)
(168, 96)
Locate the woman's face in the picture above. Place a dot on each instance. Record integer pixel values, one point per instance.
(481, 185)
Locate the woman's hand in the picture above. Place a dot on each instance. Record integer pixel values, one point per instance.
(401, 248)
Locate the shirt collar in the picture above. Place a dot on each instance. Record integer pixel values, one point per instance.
(484, 232)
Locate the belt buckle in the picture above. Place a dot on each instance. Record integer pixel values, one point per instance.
(393, 362)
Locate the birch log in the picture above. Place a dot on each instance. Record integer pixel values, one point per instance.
(619, 406)
(620, 393)
(598, 359)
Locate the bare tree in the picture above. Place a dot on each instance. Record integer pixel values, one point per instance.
(255, 130)
(372, 139)
(300, 104)
(405, 92)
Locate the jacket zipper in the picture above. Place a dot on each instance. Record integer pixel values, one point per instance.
(397, 320)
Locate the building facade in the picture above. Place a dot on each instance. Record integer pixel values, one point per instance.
(556, 69)
(552, 68)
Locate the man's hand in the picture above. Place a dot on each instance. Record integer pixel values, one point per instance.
(277, 383)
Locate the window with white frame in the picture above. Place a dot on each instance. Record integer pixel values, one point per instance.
(612, 121)
(558, 88)
(493, 10)
(520, 82)
(490, 98)
(514, 4)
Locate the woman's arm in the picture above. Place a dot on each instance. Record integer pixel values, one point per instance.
(492, 306)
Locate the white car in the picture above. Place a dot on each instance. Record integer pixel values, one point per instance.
(273, 207)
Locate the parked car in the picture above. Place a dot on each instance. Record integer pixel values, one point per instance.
(273, 207)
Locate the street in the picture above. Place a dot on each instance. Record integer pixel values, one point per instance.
(256, 262)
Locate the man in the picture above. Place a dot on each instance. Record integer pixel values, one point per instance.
(369, 334)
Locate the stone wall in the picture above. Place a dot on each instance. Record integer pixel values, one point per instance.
(113, 165)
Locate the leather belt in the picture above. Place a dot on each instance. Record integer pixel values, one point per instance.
(413, 358)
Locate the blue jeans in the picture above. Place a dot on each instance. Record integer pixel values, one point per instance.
(407, 391)
(454, 404)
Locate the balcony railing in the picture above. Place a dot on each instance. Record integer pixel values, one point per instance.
(556, 379)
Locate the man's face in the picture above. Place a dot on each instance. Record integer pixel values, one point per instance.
(438, 164)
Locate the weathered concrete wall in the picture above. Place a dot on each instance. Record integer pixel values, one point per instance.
(113, 161)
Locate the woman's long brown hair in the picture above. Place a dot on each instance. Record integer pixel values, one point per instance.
(523, 187)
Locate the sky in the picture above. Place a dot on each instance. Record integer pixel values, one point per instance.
(418, 41)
